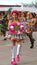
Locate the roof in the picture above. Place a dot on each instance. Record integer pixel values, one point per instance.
(18, 7)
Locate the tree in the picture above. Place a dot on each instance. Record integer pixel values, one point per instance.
(36, 4)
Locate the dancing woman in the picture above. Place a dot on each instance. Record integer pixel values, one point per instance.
(15, 27)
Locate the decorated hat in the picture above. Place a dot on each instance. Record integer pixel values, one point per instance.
(15, 11)
(29, 13)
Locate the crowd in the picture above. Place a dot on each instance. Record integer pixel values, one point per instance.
(16, 26)
(29, 18)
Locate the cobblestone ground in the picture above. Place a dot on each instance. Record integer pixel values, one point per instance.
(28, 56)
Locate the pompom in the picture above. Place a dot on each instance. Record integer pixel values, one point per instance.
(22, 28)
(12, 27)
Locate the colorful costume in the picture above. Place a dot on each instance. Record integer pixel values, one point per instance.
(16, 33)
(16, 30)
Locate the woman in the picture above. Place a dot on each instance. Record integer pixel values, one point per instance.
(15, 35)
(29, 34)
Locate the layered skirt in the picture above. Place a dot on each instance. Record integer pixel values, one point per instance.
(16, 37)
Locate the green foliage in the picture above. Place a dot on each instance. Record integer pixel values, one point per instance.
(7, 12)
(3, 27)
(36, 4)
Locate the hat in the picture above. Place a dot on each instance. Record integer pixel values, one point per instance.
(29, 13)
(15, 11)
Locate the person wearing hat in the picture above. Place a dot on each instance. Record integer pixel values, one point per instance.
(12, 35)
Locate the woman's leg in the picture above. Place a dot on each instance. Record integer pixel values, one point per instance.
(31, 40)
(18, 51)
(13, 52)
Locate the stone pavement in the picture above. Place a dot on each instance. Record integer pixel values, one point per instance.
(28, 56)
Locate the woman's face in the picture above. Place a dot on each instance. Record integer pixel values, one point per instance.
(27, 16)
(22, 14)
(31, 16)
(14, 15)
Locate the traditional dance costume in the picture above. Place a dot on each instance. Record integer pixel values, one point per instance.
(16, 33)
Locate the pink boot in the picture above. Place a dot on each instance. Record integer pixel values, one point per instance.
(13, 62)
(18, 58)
